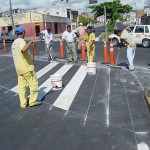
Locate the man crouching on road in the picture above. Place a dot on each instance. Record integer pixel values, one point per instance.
(127, 39)
(25, 69)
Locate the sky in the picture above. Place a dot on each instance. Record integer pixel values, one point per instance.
(79, 5)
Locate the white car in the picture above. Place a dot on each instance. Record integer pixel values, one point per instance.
(141, 34)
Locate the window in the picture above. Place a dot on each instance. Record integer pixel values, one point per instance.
(146, 29)
(139, 29)
(57, 13)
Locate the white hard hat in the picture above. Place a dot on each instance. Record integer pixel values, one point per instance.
(81, 24)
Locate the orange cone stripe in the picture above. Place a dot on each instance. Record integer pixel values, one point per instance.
(61, 50)
(83, 55)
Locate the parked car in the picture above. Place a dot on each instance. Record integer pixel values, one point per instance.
(9, 36)
(141, 34)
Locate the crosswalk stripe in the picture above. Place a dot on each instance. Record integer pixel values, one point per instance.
(39, 74)
(66, 97)
(47, 86)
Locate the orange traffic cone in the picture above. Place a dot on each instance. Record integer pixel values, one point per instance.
(83, 54)
(4, 45)
(61, 50)
(112, 55)
(105, 58)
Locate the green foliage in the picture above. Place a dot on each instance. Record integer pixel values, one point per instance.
(83, 20)
(114, 10)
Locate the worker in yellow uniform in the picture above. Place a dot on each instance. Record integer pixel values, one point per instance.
(90, 44)
(25, 69)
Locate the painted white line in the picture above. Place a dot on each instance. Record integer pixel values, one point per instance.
(66, 97)
(47, 86)
(15, 95)
(39, 74)
(101, 34)
(108, 107)
(139, 82)
(90, 99)
(142, 133)
(3, 87)
(128, 107)
(9, 66)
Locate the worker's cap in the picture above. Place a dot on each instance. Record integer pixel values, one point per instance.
(81, 24)
(20, 29)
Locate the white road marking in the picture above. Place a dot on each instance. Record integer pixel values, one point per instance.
(39, 74)
(139, 82)
(47, 86)
(108, 107)
(8, 66)
(129, 108)
(90, 99)
(66, 97)
(142, 133)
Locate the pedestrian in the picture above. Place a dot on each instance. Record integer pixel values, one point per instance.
(69, 38)
(25, 69)
(127, 40)
(81, 32)
(89, 38)
(48, 37)
(42, 35)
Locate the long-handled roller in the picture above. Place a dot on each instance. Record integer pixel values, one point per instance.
(116, 66)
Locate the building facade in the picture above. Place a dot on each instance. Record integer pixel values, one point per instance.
(33, 22)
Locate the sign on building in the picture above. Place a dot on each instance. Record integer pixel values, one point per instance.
(93, 1)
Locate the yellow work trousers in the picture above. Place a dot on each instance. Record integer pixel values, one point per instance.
(90, 53)
(30, 79)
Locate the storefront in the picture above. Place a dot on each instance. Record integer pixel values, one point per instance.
(33, 23)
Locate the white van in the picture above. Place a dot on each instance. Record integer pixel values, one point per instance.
(141, 34)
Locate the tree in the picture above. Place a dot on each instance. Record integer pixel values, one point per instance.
(86, 20)
(83, 20)
(114, 11)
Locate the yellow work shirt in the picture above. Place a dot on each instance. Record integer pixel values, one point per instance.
(89, 38)
(22, 60)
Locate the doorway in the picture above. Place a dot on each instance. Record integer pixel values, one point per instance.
(56, 28)
(9, 28)
(37, 29)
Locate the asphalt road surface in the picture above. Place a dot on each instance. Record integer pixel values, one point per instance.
(106, 111)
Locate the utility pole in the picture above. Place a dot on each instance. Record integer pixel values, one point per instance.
(11, 16)
(105, 20)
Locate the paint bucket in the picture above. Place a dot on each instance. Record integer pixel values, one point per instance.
(56, 81)
(91, 66)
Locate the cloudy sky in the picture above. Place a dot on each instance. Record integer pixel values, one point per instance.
(79, 5)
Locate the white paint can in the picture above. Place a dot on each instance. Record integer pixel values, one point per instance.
(91, 66)
(56, 81)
